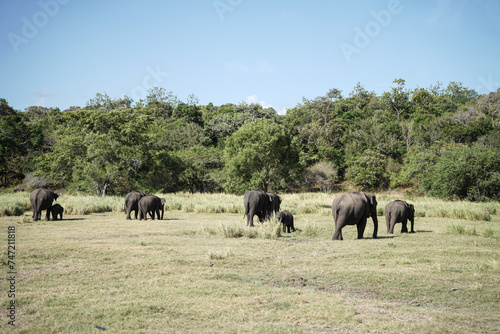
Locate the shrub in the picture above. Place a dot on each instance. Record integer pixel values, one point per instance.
(367, 170)
(471, 173)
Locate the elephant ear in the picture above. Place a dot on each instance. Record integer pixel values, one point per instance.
(372, 199)
(412, 210)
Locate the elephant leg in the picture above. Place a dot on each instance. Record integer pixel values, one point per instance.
(404, 227)
(47, 215)
(250, 215)
(412, 223)
(337, 235)
(392, 224)
(361, 228)
(388, 223)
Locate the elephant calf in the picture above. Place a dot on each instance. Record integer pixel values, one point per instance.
(286, 218)
(57, 210)
(399, 211)
(151, 204)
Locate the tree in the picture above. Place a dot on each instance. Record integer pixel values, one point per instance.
(367, 170)
(398, 100)
(202, 169)
(489, 106)
(471, 173)
(260, 155)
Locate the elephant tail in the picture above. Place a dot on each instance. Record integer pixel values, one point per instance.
(335, 213)
(247, 209)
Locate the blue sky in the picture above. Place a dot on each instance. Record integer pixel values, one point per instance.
(60, 53)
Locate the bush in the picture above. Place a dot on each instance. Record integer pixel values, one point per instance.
(320, 176)
(368, 170)
(471, 173)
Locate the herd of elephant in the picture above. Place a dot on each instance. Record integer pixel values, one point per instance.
(352, 208)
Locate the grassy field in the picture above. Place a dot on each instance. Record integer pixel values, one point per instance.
(200, 270)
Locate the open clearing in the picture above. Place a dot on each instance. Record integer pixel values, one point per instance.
(182, 274)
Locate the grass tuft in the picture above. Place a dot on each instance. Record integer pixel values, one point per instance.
(461, 230)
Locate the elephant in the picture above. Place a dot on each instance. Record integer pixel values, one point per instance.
(257, 203)
(57, 210)
(152, 204)
(275, 204)
(132, 201)
(286, 218)
(399, 211)
(354, 208)
(41, 199)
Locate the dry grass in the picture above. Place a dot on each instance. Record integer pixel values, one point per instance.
(183, 274)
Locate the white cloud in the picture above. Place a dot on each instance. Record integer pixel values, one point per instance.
(253, 99)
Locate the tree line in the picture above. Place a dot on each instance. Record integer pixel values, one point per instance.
(439, 141)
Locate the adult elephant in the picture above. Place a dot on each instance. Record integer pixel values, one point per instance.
(257, 203)
(131, 202)
(151, 204)
(275, 204)
(399, 211)
(354, 209)
(42, 199)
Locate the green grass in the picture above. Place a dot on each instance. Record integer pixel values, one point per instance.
(201, 270)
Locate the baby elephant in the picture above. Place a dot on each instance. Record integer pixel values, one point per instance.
(57, 210)
(286, 218)
(399, 211)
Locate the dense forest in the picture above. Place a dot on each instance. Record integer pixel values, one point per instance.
(438, 141)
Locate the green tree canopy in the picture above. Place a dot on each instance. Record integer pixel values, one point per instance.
(260, 155)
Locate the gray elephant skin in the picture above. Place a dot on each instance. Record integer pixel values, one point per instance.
(132, 202)
(151, 204)
(257, 203)
(42, 199)
(354, 209)
(275, 204)
(399, 211)
(286, 218)
(57, 211)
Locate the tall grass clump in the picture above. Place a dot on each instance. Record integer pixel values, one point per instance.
(84, 205)
(310, 230)
(268, 230)
(232, 231)
(461, 230)
(14, 204)
(271, 229)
